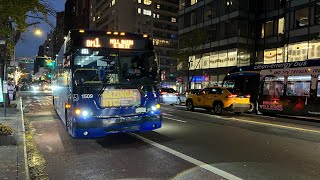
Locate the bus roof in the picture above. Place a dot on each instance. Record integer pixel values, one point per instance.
(259, 67)
(100, 33)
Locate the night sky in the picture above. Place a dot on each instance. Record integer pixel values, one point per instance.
(29, 43)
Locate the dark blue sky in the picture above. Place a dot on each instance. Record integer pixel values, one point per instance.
(29, 44)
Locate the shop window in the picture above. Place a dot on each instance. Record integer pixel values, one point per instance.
(302, 17)
(314, 49)
(298, 85)
(273, 86)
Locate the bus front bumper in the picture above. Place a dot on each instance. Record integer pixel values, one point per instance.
(97, 127)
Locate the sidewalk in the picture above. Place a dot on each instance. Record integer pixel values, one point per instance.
(13, 157)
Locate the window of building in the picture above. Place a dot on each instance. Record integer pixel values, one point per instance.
(302, 17)
(317, 13)
(173, 19)
(193, 2)
(158, 6)
(314, 49)
(192, 18)
(208, 12)
(262, 30)
(147, 2)
(297, 51)
(139, 1)
(269, 28)
(281, 26)
(147, 12)
(139, 10)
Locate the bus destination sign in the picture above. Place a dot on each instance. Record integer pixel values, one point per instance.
(110, 42)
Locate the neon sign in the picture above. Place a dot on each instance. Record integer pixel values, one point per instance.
(121, 43)
(93, 43)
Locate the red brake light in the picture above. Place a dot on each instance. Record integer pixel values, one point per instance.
(176, 93)
(163, 93)
(248, 96)
(232, 96)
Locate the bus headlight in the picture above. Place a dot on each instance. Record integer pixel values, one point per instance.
(155, 107)
(83, 113)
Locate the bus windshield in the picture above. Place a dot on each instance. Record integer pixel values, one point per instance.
(112, 66)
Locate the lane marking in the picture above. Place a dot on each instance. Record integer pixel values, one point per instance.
(258, 123)
(189, 159)
(274, 125)
(173, 119)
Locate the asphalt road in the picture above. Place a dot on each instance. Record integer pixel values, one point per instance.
(190, 145)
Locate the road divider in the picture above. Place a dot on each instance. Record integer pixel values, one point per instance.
(189, 159)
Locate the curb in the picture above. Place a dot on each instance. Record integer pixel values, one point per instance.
(22, 133)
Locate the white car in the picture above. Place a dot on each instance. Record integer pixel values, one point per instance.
(168, 96)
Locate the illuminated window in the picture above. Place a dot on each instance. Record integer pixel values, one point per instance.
(139, 1)
(147, 2)
(147, 12)
(139, 10)
(262, 31)
(281, 26)
(158, 6)
(302, 17)
(173, 20)
(193, 2)
(269, 28)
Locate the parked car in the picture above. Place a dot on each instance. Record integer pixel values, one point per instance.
(182, 97)
(168, 96)
(219, 99)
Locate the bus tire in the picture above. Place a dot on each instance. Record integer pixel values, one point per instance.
(189, 105)
(217, 108)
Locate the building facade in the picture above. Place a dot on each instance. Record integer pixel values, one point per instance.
(157, 18)
(247, 32)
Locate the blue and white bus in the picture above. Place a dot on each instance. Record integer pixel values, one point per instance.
(105, 83)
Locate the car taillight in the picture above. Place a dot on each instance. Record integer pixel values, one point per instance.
(248, 96)
(232, 96)
(162, 93)
(176, 93)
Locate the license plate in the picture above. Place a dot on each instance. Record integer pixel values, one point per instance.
(141, 110)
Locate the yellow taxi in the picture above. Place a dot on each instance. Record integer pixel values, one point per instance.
(219, 99)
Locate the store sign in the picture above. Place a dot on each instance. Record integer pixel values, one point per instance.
(198, 79)
(280, 65)
(1, 93)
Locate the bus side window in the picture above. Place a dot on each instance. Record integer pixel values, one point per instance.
(298, 85)
(273, 86)
(318, 87)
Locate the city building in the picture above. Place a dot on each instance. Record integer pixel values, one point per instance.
(157, 18)
(246, 32)
(76, 15)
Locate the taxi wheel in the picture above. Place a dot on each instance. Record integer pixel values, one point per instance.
(217, 108)
(190, 106)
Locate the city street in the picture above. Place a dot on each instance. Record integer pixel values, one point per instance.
(190, 145)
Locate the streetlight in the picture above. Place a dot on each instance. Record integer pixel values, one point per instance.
(38, 32)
